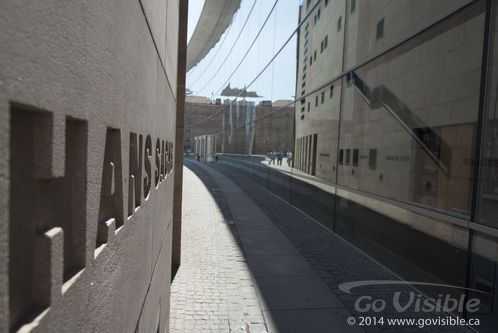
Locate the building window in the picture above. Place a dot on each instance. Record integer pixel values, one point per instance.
(372, 159)
(380, 29)
(353, 6)
(318, 14)
(309, 106)
(348, 156)
(323, 97)
(314, 56)
(339, 24)
(356, 153)
(331, 93)
(311, 61)
(325, 42)
(321, 46)
(302, 109)
(316, 101)
(341, 157)
(302, 117)
(326, 2)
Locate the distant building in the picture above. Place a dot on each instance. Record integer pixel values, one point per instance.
(237, 92)
(258, 129)
(242, 127)
(202, 117)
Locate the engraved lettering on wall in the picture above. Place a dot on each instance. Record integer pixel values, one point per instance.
(111, 193)
(38, 204)
(135, 177)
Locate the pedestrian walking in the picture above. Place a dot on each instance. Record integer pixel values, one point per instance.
(280, 156)
(272, 158)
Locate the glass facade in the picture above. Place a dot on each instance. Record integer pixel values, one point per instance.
(396, 138)
(417, 105)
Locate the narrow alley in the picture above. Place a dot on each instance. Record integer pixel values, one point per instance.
(253, 263)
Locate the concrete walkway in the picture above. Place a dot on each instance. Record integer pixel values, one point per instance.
(243, 269)
(213, 290)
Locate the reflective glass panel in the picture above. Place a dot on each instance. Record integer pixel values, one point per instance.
(417, 108)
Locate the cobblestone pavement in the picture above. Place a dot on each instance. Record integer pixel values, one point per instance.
(333, 259)
(213, 290)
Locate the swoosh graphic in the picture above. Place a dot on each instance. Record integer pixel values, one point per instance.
(347, 286)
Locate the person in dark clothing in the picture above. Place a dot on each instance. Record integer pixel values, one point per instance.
(272, 158)
(279, 156)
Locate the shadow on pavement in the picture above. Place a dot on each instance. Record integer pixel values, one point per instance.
(296, 264)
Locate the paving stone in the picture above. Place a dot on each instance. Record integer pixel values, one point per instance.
(292, 292)
(207, 294)
(332, 259)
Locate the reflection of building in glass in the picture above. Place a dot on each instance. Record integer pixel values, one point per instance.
(389, 115)
(258, 129)
(240, 127)
(205, 147)
(201, 118)
(414, 107)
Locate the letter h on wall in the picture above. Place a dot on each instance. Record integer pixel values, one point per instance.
(47, 211)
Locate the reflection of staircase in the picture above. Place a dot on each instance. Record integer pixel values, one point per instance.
(428, 139)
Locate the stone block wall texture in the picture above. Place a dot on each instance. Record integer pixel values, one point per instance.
(87, 129)
(202, 119)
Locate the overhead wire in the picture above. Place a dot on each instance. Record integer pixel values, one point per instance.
(233, 46)
(215, 54)
(250, 47)
(273, 51)
(264, 69)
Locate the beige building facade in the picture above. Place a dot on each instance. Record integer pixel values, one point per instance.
(256, 129)
(401, 126)
(396, 112)
(202, 117)
(242, 127)
(89, 95)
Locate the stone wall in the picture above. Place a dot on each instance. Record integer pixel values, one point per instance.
(87, 129)
(202, 118)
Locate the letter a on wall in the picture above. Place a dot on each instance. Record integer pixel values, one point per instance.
(111, 193)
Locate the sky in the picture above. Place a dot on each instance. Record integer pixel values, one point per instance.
(194, 12)
(278, 80)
